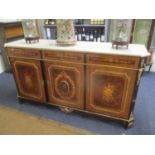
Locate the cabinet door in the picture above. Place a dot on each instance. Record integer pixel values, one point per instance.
(153, 39)
(65, 84)
(28, 77)
(110, 90)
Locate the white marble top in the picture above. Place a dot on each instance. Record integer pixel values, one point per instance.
(6, 21)
(83, 47)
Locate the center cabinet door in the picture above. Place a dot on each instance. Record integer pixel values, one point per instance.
(65, 82)
(109, 90)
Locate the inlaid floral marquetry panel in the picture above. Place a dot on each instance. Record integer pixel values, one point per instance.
(29, 78)
(109, 90)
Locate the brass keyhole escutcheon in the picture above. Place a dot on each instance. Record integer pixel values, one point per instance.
(64, 87)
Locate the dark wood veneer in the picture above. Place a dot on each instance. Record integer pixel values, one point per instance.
(29, 80)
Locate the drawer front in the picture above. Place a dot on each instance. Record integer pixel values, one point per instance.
(24, 53)
(114, 60)
(63, 56)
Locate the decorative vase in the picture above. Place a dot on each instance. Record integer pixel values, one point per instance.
(30, 30)
(65, 32)
(121, 32)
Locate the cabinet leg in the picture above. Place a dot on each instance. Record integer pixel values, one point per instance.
(150, 68)
(20, 101)
(129, 123)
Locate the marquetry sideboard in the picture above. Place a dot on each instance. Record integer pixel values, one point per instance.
(89, 77)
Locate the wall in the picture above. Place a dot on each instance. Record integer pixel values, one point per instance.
(40, 23)
(153, 47)
(1, 64)
(153, 59)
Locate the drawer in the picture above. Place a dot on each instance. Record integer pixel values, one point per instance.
(63, 56)
(113, 60)
(26, 53)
